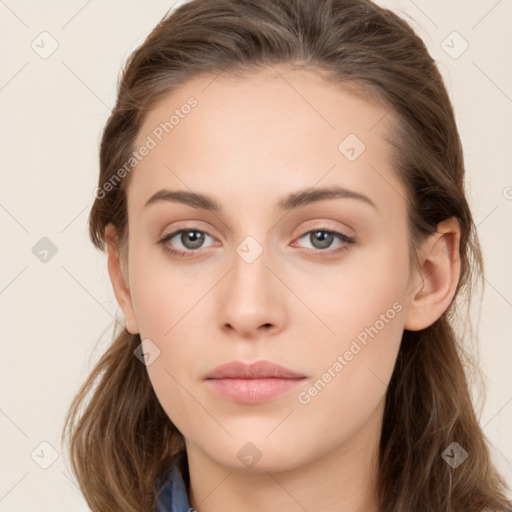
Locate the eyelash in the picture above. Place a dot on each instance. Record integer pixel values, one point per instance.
(347, 240)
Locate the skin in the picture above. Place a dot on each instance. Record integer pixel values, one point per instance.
(249, 143)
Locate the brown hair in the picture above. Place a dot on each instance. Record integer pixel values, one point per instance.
(122, 440)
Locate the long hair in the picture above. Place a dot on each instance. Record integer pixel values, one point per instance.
(120, 439)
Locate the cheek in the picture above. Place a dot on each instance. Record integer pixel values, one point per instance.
(364, 309)
(167, 304)
(162, 291)
(366, 290)
(353, 368)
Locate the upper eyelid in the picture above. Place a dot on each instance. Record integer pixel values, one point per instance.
(307, 230)
(320, 225)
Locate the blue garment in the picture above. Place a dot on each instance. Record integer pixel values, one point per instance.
(172, 496)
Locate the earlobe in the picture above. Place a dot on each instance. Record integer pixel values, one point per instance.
(437, 275)
(119, 279)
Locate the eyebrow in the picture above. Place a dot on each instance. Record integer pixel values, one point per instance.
(290, 202)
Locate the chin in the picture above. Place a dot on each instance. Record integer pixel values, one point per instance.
(257, 454)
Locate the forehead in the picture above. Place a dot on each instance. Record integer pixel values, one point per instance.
(274, 130)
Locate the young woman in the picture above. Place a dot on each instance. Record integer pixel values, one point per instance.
(281, 197)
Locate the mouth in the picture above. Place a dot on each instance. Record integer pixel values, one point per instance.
(252, 383)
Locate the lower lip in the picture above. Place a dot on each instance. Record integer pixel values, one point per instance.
(253, 391)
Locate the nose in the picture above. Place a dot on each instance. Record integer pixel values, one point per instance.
(252, 299)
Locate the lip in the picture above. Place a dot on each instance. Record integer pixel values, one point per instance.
(252, 383)
(257, 370)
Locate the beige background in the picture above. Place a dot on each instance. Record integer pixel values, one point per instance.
(52, 113)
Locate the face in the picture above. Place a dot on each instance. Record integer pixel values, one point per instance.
(318, 284)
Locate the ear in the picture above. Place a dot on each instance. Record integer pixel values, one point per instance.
(436, 278)
(118, 276)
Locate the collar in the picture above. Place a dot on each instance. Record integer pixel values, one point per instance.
(172, 496)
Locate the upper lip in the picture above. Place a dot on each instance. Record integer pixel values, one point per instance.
(258, 370)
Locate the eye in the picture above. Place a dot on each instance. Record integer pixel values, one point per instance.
(190, 240)
(322, 239)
